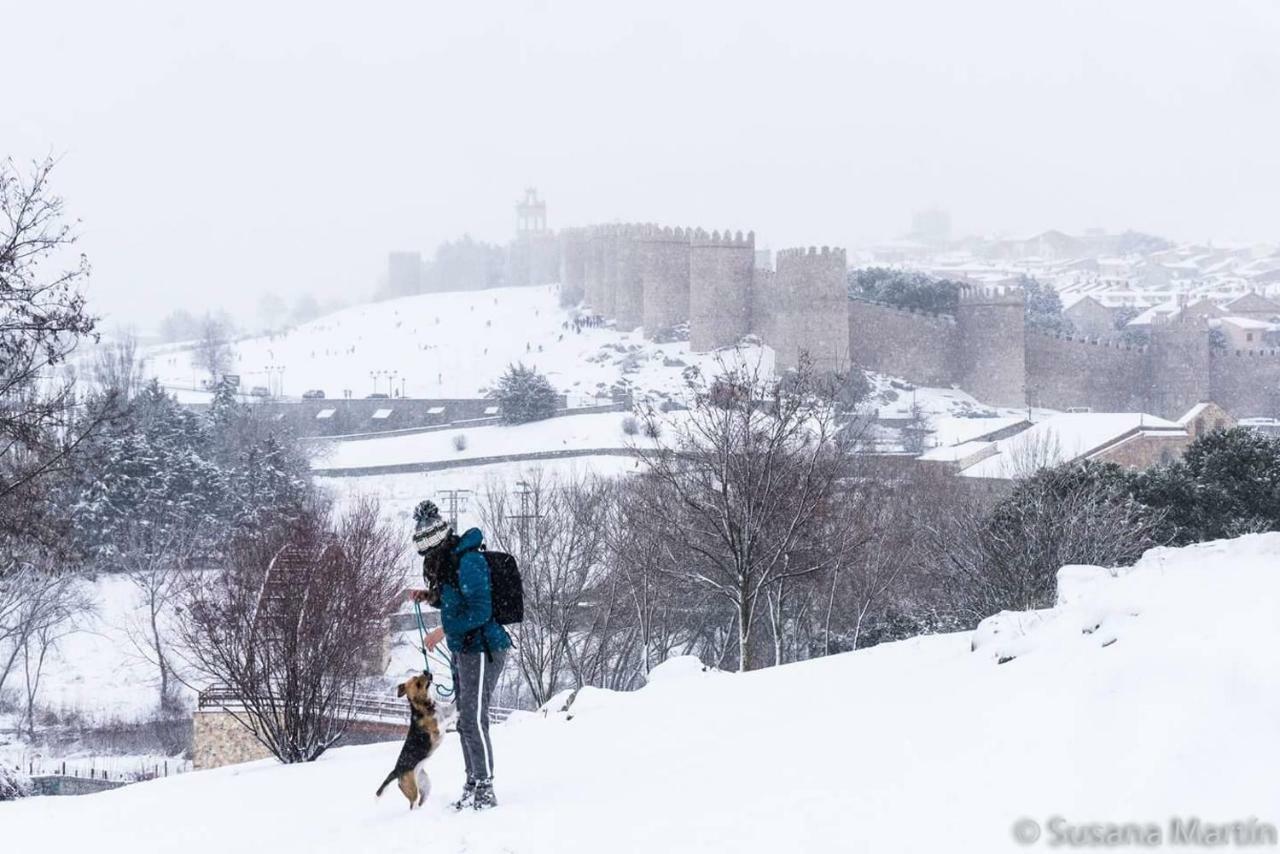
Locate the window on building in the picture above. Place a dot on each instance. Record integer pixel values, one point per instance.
(324, 413)
(382, 414)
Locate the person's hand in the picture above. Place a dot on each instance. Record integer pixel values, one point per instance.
(433, 638)
(416, 595)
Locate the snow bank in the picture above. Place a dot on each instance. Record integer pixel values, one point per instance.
(917, 746)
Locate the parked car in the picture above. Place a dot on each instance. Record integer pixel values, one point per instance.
(313, 394)
(377, 395)
(260, 391)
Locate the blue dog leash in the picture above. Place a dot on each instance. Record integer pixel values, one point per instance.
(443, 693)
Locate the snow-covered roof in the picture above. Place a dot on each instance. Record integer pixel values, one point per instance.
(1247, 322)
(955, 430)
(1066, 437)
(955, 453)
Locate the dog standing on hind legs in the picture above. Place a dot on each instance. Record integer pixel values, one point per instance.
(422, 741)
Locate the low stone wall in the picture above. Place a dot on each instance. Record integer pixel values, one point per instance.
(217, 739)
(63, 784)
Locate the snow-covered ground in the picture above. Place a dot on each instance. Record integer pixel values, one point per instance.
(453, 344)
(399, 493)
(1148, 697)
(96, 672)
(598, 431)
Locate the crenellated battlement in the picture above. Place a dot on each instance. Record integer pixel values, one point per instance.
(906, 312)
(829, 253)
(1269, 353)
(737, 240)
(1108, 343)
(991, 295)
(667, 234)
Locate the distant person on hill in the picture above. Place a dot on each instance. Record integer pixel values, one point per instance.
(458, 583)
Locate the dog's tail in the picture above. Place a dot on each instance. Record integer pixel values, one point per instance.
(387, 782)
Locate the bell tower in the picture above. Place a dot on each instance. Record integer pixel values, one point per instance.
(531, 215)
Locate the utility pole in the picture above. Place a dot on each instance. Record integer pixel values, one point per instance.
(455, 501)
(525, 493)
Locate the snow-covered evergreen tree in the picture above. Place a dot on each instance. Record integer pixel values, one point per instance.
(525, 395)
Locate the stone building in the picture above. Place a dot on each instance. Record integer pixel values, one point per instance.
(1092, 318)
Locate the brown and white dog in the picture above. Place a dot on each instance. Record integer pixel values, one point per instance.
(422, 741)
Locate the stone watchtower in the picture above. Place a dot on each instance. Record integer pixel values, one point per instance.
(1179, 364)
(811, 314)
(720, 268)
(664, 275)
(628, 301)
(991, 327)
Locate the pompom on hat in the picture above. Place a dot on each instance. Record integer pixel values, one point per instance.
(429, 529)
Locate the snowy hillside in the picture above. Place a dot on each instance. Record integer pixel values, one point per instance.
(448, 345)
(1145, 698)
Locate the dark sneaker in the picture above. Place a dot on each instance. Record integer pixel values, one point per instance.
(484, 798)
(467, 798)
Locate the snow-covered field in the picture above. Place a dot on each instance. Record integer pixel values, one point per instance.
(1146, 698)
(399, 493)
(601, 431)
(453, 344)
(96, 672)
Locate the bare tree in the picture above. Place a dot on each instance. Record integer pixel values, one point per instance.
(38, 605)
(293, 622)
(213, 353)
(743, 478)
(118, 367)
(556, 531)
(669, 614)
(43, 319)
(156, 560)
(1007, 557)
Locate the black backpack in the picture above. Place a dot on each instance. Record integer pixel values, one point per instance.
(505, 587)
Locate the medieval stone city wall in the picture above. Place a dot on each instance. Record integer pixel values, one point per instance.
(1070, 372)
(574, 247)
(912, 345)
(1246, 383)
(655, 278)
(1178, 375)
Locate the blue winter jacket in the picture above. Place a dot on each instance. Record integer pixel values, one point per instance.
(468, 606)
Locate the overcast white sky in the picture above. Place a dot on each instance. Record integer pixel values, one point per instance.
(218, 150)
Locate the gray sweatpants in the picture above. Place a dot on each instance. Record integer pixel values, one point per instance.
(474, 677)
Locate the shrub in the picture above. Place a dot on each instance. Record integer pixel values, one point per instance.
(1226, 484)
(460, 442)
(630, 426)
(652, 429)
(13, 784)
(525, 395)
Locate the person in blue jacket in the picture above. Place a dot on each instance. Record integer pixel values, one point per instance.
(457, 578)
